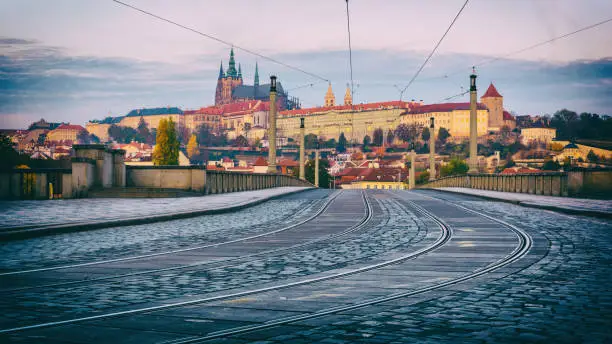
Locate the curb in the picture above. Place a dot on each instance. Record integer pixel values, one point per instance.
(27, 232)
(572, 211)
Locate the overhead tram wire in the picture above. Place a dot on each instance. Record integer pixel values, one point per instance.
(434, 49)
(223, 41)
(533, 46)
(348, 26)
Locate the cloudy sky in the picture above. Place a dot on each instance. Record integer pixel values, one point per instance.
(73, 60)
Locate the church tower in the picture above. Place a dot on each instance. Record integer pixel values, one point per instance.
(330, 99)
(348, 99)
(228, 81)
(495, 103)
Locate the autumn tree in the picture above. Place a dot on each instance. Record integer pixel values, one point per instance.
(406, 133)
(166, 150)
(192, 146)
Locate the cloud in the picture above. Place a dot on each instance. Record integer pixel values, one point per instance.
(15, 41)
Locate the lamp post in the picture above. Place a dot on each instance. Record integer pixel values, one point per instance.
(432, 150)
(411, 183)
(302, 149)
(272, 129)
(473, 162)
(317, 165)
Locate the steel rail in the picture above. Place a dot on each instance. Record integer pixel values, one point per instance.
(218, 263)
(525, 243)
(445, 235)
(51, 268)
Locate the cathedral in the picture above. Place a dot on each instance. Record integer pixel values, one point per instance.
(231, 89)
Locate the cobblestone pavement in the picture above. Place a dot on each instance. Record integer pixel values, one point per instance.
(604, 206)
(116, 242)
(558, 292)
(38, 213)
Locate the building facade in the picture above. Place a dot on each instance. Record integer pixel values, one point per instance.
(454, 117)
(538, 134)
(65, 132)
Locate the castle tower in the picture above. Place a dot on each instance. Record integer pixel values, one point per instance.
(231, 69)
(256, 80)
(239, 71)
(348, 99)
(228, 81)
(330, 98)
(495, 103)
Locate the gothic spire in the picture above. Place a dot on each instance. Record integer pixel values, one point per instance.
(256, 81)
(221, 74)
(239, 71)
(231, 69)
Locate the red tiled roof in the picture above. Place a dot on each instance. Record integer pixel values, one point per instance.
(491, 92)
(356, 107)
(231, 109)
(288, 162)
(508, 116)
(70, 127)
(517, 170)
(385, 174)
(443, 107)
(260, 162)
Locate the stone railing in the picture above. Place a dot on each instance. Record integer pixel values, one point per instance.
(221, 181)
(580, 183)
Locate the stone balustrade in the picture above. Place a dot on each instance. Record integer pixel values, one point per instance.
(578, 183)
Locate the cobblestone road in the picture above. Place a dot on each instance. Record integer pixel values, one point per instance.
(559, 291)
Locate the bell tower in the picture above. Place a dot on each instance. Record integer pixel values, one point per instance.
(330, 98)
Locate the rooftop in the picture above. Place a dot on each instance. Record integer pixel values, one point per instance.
(443, 107)
(491, 92)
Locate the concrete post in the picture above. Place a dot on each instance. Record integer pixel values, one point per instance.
(473, 161)
(272, 129)
(412, 169)
(316, 171)
(302, 148)
(432, 151)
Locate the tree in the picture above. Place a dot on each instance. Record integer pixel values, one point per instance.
(443, 134)
(425, 134)
(455, 167)
(192, 146)
(122, 134)
(366, 141)
(406, 133)
(166, 150)
(83, 137)
(422, 178)
(551, 165)
(310, 141)
(341, 146)
(378, 137)
(143, 133)
(241, 141)
(390, 137)
(592, 157)
(324, 176)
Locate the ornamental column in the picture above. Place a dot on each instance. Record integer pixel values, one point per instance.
(473, 161)
(302, 148)
(316, 171)
(411, 184)
(272, 129)
(432, 150)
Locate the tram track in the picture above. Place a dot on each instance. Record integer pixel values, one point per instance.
(321, 209)
(525, 243)
(220, 263)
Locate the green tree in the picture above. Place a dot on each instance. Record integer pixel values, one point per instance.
(310, 141)
(192, 146)
(143, 133)
(592, 157)
(166, 150)
(425, 134)
(241, 141)
(83, 137)
(390, 137)
(341, 146)
(422, 178)
(324, 177)
(378, 137)
(455, 167)
(406, 133)
(443, 135)
(366, 141)
(551, 165)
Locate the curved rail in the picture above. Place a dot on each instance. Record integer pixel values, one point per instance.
(218, 264)
(51, 268)
(445, 235)
(525, 243)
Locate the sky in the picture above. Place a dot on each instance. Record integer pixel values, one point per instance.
(73, 61)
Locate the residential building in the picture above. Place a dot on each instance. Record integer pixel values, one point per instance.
(65, 133)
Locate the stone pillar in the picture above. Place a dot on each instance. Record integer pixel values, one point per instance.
(473, 161)
(272, 128)
(119, 173)
(316, 171)
(302, 148)
(432, 150)
(412, 170)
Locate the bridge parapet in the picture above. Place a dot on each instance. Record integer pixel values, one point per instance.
(575, 183)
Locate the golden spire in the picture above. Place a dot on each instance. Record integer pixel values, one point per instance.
(348, 99)
(330, 99)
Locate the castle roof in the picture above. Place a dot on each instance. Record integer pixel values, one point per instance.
(231, 109)
(508, 116)
(260, 92)
(357, 107)
(260, 162)
(70, 127)
(443, 107)
(155, 111)
(491, 92)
